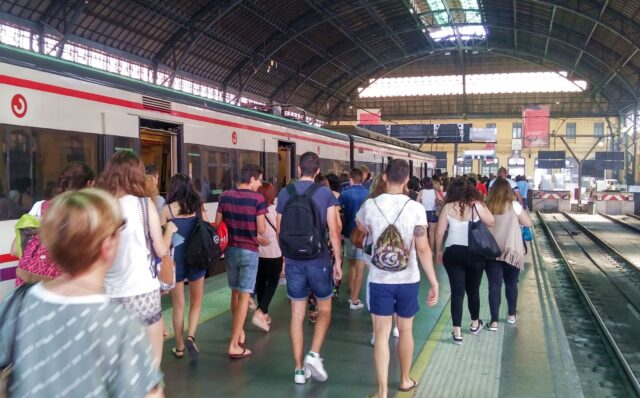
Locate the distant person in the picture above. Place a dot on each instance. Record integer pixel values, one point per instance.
(432, 200)
(183, 208)
(311, 268)
(367, 178)
(243, 210)
(413, 187)
(131, 281)
(270, 261)
(463, 267)
(344, 181)
(21, 195)
(523, 187)
(502, 172)
(481, 187)
(71, 340)
(394, 274)
(509, 219)
(151, 171)
(350, 201)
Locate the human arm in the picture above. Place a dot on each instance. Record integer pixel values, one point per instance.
(204, 215)
(161, 242)
(443, 224)
(164, 215)
(338, 218)
(426, 259)
(261, 224)
(218, 218)
(336, 242)
(518, 196)
(485, 215)
(523, 216)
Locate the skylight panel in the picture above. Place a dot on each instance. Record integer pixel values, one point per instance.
(496, 83)
(443, 19)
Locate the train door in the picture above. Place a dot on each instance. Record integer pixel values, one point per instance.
(286, 162)
(411, 173)
(159, 145)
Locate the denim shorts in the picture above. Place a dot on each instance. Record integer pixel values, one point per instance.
(350, 251)
(301, 278)
(242, 268)
(387, 299)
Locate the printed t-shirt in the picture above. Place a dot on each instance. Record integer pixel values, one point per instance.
(83, 346)
(239, 209)
(323, 199)
(376, 222)
(350, 200)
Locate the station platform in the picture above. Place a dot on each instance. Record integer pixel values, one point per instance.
(533, 358)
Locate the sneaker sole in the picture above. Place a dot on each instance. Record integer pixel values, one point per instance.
(314, 373)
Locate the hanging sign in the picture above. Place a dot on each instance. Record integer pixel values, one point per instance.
(535, 123)
(369, 116)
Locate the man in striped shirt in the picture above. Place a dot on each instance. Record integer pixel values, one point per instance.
(243, 210)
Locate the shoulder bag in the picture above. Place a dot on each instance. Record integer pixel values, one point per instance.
(163, 268)
(481, 241)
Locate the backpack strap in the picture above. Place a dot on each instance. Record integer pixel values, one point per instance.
(398, 216)
(311, 190)
(170, 211)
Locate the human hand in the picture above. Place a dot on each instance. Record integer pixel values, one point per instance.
(263, 241)
(171, 227)
(337, 271)
(432, 296)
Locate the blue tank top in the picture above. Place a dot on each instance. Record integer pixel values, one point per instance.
(185, 226)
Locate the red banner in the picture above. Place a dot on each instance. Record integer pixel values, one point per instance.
(535, 124)
(369, 116)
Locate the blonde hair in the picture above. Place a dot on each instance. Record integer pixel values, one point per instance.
(436, 185)
(75, 226)
(500, 196)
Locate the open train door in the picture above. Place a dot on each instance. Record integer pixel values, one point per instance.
(287, 169)
(160, 145)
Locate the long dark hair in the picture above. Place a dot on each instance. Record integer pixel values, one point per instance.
(181, 190)
(464, 193)
(75, 177)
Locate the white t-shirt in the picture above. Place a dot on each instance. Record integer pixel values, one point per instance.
(458, 230)
(428, 199)
(130, 274)
(272, 250)
(376, 222)
(513, 184)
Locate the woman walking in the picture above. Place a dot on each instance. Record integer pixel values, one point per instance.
(269, 263)
(463, 204)
(183, 206)
(510, 217)
(432, 200)
(132, 280)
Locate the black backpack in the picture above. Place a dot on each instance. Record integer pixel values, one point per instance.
(302, 235)
(203, 246)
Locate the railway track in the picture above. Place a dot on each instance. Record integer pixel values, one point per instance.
(609, 285)
(628, 221)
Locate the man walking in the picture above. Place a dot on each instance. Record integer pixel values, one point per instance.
(394, 278)
(350, 200)
(243, 210)
(305, 210)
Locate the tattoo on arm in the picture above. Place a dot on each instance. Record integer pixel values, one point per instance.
(419, 231)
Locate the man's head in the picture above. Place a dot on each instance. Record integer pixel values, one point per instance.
(397, 172)
(356, 177)
(502, 172)
(152, 171)
(309, 165)
(365, 172)
(251, 174)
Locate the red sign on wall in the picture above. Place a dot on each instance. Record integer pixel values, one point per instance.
(535, 124)
(19, 105)
(234, 138)
(369, 116)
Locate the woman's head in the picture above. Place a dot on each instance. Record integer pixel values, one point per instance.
(378, 187)
(427, 183)
(80, 228)
(268, 191)
(414, 183)
(334, 182)
(500, 195)
(462, 192)
(75, 176)
(124, 175)
(181, 190)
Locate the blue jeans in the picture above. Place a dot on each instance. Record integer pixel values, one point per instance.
(242, 268)
(301, 278)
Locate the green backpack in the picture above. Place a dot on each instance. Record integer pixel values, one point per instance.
(389, 252)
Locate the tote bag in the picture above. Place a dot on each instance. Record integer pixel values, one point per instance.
(481, 241)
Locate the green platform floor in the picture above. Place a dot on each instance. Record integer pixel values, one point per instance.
(519, 360)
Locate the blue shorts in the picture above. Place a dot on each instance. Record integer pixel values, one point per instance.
(432, 217)
(242, 268)
(301, 278)
(189, 273)
(350, 251)
(387, 299)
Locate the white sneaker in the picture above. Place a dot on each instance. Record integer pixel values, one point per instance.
(396, 332)
(313, 362)
(300, 376)
(373, 339)
(356, 306)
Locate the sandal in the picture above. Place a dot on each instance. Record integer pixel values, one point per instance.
(245, 353)
(177, 353)
(415, 384)
(192, 348)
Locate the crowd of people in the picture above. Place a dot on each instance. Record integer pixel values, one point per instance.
(90, 255)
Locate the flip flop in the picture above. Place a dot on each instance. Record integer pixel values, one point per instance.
(243, 354)
(415, 384)
(192, 348)
(177, 353)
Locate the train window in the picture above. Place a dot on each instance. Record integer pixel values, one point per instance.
(337, 167)
(125, 144)
(246, 157)
(219, 174)
(33, 158)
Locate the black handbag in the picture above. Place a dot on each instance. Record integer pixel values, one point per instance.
(481, 241)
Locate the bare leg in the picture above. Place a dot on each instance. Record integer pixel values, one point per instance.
(196, 291)
(405, 350)
(237, 324)
(432, 235)
(298, 311)
(155, 337)
(177, 297)
(357, 280)
(322, 325)
(381, 353)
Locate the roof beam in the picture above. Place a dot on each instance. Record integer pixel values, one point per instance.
(546, 45)
(374, 14)
(420, 24)
(459, 46)
(593, 29)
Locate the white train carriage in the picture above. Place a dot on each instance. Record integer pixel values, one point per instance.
(53, 112)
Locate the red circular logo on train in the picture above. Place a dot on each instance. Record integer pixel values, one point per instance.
(234, 138)
(19, 105)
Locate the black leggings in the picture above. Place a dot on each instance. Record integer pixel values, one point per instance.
(465, 274)
(497, 271)
(267, 281)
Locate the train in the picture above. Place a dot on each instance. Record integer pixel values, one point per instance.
(53, 111)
